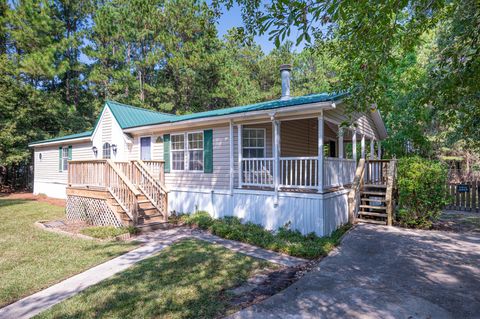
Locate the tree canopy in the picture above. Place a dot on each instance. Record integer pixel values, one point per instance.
(417, 60)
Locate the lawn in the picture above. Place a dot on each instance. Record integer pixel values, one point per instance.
(32, 259)
(187, 280)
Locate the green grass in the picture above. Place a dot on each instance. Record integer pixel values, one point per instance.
(284, 240)
(187, 280)
(105, 232)
(32, 259)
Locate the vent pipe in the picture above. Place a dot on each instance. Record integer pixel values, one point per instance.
(285, 70)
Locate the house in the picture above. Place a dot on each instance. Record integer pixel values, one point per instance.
(283, 161)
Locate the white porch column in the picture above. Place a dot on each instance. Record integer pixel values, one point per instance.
(320, 170)
(362, 146)
(379, 150)
(232, 169)
(240, 129)
(340, 142)
(372, 148)
(276, 155)
(354, 145)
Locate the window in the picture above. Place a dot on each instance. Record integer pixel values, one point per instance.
(253, 143)
(106, 154)
(178, 152)
(64, 158)
(195, 151)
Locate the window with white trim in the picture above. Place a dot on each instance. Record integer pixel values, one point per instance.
(64, 158)
(195, 151)
(178, 152)
(253, 142)
(106, 151)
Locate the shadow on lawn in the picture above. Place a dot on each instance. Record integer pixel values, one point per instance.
(188, 280)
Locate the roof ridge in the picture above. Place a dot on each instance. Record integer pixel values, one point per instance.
(138, 108)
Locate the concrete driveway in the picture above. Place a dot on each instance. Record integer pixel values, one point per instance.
(386, 272)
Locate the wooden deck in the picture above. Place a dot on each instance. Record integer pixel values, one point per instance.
(128, 193)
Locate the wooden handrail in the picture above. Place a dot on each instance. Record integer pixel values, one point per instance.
(122, 190)
(392, 171)
(145, 167)
(355, 191)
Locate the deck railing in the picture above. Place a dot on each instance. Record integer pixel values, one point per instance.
(87, 173)
(297, 172)
(157, 169)
(376, 172)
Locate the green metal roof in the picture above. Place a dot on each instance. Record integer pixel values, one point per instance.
(275, 104)
(129, 116)
(62, 138)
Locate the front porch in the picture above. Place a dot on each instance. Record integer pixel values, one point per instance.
(313, 155)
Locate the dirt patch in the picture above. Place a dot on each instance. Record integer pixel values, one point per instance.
(38, 198)
(458, 221)
(267, 284)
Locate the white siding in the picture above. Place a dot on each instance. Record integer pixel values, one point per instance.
(109, 131)
(364, 121)
(307, 213)
(48, 179)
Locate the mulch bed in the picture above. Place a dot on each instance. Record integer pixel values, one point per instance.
(458, 221)
(38, 198)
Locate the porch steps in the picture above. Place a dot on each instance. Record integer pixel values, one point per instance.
(373, 214)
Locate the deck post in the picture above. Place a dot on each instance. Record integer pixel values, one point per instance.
(362, 146)
(340, 142)
(372, 148)
(354, 146)
(232, 169)
(276, 155)
(379, 150)
(240, 129)
(320, 153)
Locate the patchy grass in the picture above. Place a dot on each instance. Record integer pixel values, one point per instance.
(32, 259)
(105, 232)
(284, 240)
(187, 280)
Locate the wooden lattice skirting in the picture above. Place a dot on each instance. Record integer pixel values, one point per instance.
(93, 211)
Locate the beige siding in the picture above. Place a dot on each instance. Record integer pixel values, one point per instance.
(47, 168)
(107, 126)
(364, 121)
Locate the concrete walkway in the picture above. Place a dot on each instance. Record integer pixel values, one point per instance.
(153, 243)
(386, 272)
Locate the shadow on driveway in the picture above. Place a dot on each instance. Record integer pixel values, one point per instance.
(386, 272)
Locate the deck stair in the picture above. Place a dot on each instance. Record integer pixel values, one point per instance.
(371, 198)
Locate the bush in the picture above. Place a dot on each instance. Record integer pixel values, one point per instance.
(421, 190)
(286, 241)
(104, 232)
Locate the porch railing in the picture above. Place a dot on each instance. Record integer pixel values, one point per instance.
(157, 169)
(297, 172)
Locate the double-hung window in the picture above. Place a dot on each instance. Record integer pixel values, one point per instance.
(253, 142)
(178, 152)
(65, 158)
(195, 151)
(187, 151)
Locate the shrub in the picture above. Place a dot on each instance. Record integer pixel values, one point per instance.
(286, 241)
(421, 190)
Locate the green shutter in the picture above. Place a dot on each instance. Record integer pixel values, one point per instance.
(60, 166)
(208, 151)
(166, 152)
(69, 152)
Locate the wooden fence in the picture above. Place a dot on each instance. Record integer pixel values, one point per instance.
(464, 196)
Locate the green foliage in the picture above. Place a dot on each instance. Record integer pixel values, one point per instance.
(421, 188)
(285, 240)
(105, 232)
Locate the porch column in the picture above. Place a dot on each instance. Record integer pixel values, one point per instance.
(276, 155)
(372, 148)
(232, 169)
(354, 146)
(320, 153)
(340, 142)
(379, 150)
(362, 146)
(240, 129)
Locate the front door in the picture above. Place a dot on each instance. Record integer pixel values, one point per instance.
(145, 148)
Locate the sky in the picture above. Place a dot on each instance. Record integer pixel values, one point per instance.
(233, 18)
